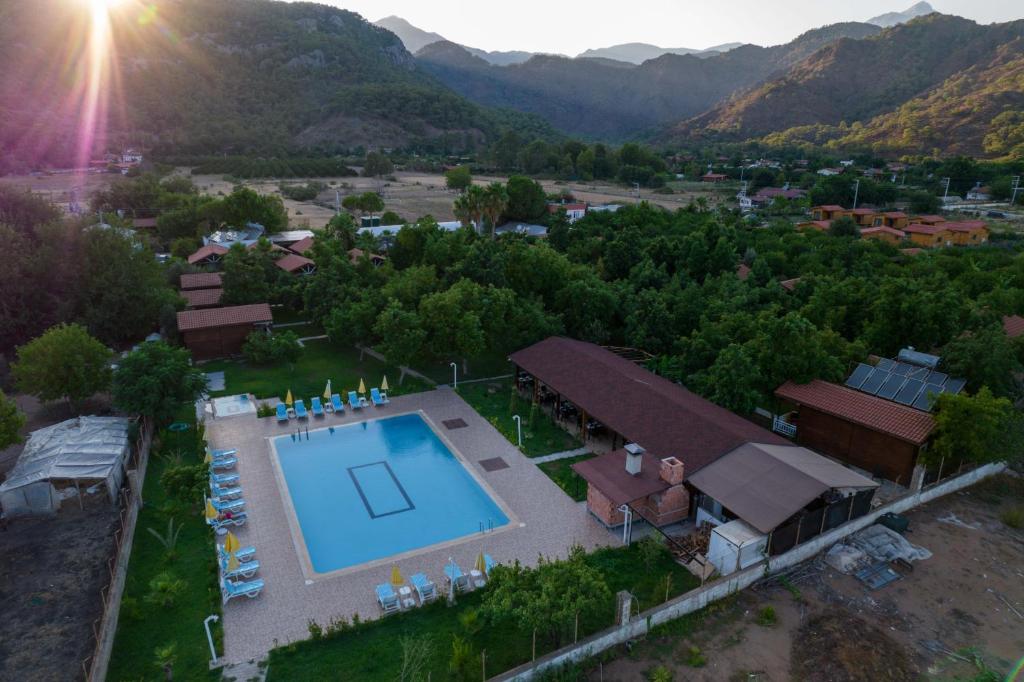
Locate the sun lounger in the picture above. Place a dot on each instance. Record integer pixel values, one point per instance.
(282, 412)
(221, 454)
(387, 598)
(453, 573)
(336, 403)
(300, 410)
(224, 479)
(424, 588)
(237, 588)
(221, 524)
(318, 409)
(225, 463)
(377, 398)
(354, 401)
(245, 570)
(227, 505)
(244, 555)
(225, 493)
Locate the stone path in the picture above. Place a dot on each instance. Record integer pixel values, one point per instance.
(302, 341)
(285, 325)
(560, 455)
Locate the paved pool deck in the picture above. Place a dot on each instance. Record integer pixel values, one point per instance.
(549, 522)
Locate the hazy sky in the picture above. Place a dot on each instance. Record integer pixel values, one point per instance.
(571, 26)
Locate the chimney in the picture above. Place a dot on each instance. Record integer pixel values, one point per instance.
(634, 459)
(671, 471)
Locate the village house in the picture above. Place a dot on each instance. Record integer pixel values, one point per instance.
(713, 177)
(884, 233)
(201, 280)
(221, 332)
(210, 255)
(573, 210)
(979, 193)
(929, 236)
(294, 264)
(196, 299)
(355, 256)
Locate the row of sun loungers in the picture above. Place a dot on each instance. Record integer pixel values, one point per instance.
(336, 405)
(391, 601)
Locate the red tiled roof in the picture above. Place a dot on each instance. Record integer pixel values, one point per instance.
(743, 272)
(864, 211)
(830, 208)
(967, 226)
(895, 214)
(924, 229)
(883, 228)
(931, 219)
(870, 411)
(659, 415)
(205, 252)
(202, 298)
(143, 222)
(1014, 325)
(202, 280)
(293, 262)
(302, 246)
(790, 284)
(608, 473)
(191, 320)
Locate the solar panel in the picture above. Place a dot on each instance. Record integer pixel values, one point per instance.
(886, 364)
(891, 386)
(874, 381)
(902, 368)
(920, 374)
(954, 386)
(924, 401)
(909, 392)
(938, 378)
(859, 375)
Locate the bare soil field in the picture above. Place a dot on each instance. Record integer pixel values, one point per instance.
(945, 620)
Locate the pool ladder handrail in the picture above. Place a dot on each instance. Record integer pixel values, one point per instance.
(488, 528)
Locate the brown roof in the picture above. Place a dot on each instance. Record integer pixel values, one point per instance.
(205, 252)
(829, 207)
(143, 222)
(743, 272)
(870, 411)
(659, 415)
(931, 219)
(608, 474)
(968, 226)
(925, 229)
(202, 298)
(883, 228)
(790, 284)
(201, 280)
(293, 262)
(1014, 325)
(302, 246)
(191, 320)
(895, 214)
(864, 211)
(766, 484)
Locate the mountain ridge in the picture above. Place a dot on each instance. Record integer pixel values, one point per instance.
(890, 19)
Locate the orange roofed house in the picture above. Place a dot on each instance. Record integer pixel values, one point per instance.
(221, 332)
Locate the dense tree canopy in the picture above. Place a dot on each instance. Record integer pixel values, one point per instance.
(64, 363)
(155, 380)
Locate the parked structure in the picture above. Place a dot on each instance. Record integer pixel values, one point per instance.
(221, 332)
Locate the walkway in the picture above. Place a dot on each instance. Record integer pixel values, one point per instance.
(560, 455)
(302, 341)
(408, 370)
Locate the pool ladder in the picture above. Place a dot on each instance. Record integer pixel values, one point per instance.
(488, 527)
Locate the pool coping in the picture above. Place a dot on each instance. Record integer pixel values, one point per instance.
(299, 540)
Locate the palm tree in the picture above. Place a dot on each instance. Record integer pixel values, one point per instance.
(494, 204)
(469, 208)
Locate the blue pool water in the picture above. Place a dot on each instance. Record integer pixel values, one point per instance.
(374, 489)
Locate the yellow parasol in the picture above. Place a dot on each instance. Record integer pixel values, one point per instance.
(288, 398)
(208, 458)
(480, 565)
(384, 384)
(396, 576)
(211, 512)
(327, 391)
(231, 543)
(362, 386)
(232, 563)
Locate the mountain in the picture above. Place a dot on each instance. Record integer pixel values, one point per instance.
(501, 58)
(234, 76)
(414, 39)
(891, 19)
(638, 53)
(601, 98)
(857, 80)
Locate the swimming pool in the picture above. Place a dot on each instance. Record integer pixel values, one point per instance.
(375, 489)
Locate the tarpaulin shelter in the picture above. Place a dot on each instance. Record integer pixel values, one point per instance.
(84, 450)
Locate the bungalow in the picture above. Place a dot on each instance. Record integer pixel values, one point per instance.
(1014, 326)
(201, 280)
(979, 193)
(790, 284)
(865, 217)
(929, 219)
(573, 211)
(929, 236)
(357, 255)
(884, 233)
(819, 225)
(896, 219)
(303, 246)
(221, 332)
(209, 255)
(202, 298)
(713, 177)
(969, 233)
(295, 264)
(828, 212)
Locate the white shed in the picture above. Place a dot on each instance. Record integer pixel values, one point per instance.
(735, 546)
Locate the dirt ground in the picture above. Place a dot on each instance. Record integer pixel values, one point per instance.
(51, 574)
(945, 620)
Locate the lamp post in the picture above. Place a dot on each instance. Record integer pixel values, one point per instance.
(209, 636)
(519, 428)
(455, 374)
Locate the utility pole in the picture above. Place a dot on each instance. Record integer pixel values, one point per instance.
(337, 202)
(856, 193)
(945, 195)
(1016, 188)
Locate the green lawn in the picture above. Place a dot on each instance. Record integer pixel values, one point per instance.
(484, 366)
(568, 480)
(320, 361)
(144, 626)
(373, 651)
(495, 402)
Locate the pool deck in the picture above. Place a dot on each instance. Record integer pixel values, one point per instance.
(549, 522)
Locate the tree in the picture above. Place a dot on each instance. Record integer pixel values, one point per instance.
(844, 226)
(64, 363)
(733, 380)
(977, 429)
(494, 203)
(377, 165)
(261, 348)
(548, 598)
(249, 274)
(11, 422)
(245, 206)
(458, 178)
(155, 380)
(526, 199)
(469, 208)
(401, 336)
(985, 357)
(452, 324)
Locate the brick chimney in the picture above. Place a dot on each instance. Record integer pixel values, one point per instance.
(634, 459)
(672, 471)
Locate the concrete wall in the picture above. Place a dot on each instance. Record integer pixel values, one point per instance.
(697, 599)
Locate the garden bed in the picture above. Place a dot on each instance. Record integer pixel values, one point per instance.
(560, 471)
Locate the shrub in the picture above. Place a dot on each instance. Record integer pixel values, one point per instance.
(661, 674)
(695, 658)
(164, 589)
(766, 616)
(461, 665)
(1014, 518)
(265, 349)
(184, 482)
(265, 410)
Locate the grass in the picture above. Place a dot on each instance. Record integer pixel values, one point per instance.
(144, 627)
(484, 366)
(496, 403)
(320, 360)
(1013, 517)
(286, 315)
(560, 471)
(373, 651)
